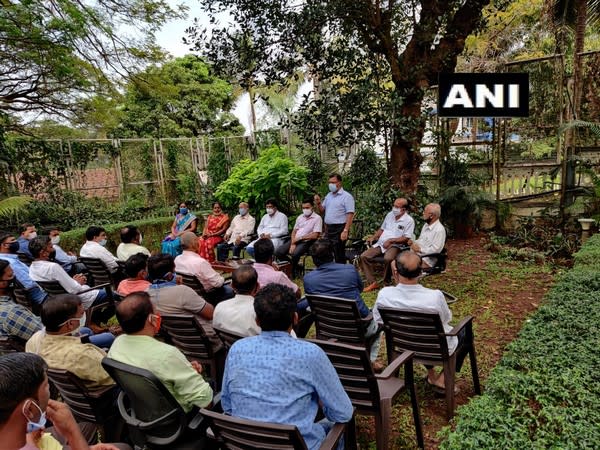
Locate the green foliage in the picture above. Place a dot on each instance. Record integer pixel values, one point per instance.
(218, 164)
(317, 175)
(272, 175)
(545, 392)
(12, 205)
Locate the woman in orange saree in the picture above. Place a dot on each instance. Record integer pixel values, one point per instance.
(214, 229)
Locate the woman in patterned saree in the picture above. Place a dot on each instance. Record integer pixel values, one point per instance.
(214, 229)
(184, 221)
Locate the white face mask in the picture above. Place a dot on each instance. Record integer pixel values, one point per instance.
(55, 240)
(141, 238)
(396, 211)
(270, 211)
(243, 211)
(307, 211)
(102, 242)
(332, 187)
(32, 236)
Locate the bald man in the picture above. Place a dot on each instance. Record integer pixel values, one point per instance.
(433, 235)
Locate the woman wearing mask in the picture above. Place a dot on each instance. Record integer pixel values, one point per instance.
(184, 221)
(214, 229)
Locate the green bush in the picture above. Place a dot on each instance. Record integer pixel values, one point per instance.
(545, 392)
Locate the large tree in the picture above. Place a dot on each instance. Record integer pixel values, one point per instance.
(378, 57)
(54, 51)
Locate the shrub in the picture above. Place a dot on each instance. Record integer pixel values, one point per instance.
(545, 392)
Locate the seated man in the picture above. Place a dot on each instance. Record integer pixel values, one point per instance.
(397, 228)
(433, 235)
(273, 225)
(138, 347)
(94, 248)
(338, 280)
(15, 320)
(43, 269)
(307, 229)
(263, 255)
(61, 346)
(136, 269)
(8, 252)
(27, 232)
(68, 260)
(131, 243)
(237, 314)
(25, 408)
(275, 378)
(238, 234)
(409, 295)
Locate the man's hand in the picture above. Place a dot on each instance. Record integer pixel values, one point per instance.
(388, 243)
(80, 278)
(197, 366)
(415, 247)
(267, 235)
(344, 235)
(238, 240)
(63, 421)
(178, 280)
(103, 447)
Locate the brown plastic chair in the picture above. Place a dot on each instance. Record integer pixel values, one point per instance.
(373, 394)
(423, 333)
(227, 337)
(193, 282)
(97, 406)
(11, 344)
(235, 433)
(338, 318)
(187, 334)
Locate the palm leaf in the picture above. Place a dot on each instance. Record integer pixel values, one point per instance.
(12, 205)
(594, 127)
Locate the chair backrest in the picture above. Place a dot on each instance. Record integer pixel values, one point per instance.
(440, 263)
(24, 258)
(193, 282)
(52, 287)
(148, 401)
(353, 366)
(236, 433)
(99, 271)
(227, 337)
(23, 297)
(85, 407)
(337, 318)
(11, 344)
(187, 334)
(422, 333)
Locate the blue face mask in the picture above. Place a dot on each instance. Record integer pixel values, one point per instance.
(102, 242)
(332, 187)
(183, 211)
(243, 211)
(40, 424)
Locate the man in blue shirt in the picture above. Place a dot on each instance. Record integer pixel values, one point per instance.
(275, 378)
(338, 280)
(27, 233)
(338, 207)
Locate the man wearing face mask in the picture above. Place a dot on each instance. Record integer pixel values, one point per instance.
(68, 260)
(273, 225)
(307, 229)
(25, 408)
(397, 228)
(131, 243)
(95, 248)
(27, 232)
(433, 235)
(138, 347)
(8, 252)
(338, 207)
(61, 346)
(44, 269)
(238, 234)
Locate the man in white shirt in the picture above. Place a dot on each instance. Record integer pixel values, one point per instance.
(397, 228)
(131, 240)
(42, 269)
(238, 234)
(94, 248)
(237, 314)
(273, 225)
(409, 295)
(433, 235)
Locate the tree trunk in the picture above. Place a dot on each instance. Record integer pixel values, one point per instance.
(581, 9)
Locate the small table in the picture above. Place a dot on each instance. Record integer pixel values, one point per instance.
(231, 264)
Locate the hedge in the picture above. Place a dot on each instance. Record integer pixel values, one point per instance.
(545, 391)
(153, 232)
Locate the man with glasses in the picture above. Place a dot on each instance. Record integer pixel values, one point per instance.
(396, 230)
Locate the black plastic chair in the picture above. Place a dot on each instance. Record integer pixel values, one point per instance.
(101, 275)
(11, 344)
(154, 417)
(227, 337)
(23, 297)
(25, 258)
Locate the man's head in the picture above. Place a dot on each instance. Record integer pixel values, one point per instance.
(41, 248)
(322, 252)
(244, 280)
(263, 251)
(7, 276)
(406, 268)
(243, 208)
(62, 314)
(271, 206)
(28, 231)
(161, 265)
(54, 236)
(334, 182)
(189, 241)
(136, 315)
(432, 212)
(96, 234)
(400, 206)
(307, 206)
(136, 266)
(8, 243)
(275, 307)
(130, 234)
(24, 389)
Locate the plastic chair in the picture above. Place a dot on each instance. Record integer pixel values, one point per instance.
(227, 337)
(373, 394)
(101, 274)
(11, 344)
(423, 334)
(22, 296)
(154, 417)
(25, 258)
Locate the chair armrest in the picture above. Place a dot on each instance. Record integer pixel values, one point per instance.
(368, 318)
(99, 286)
(395, 365)
(98, 393)
(334, 436)
(131, 420)
(465, 322)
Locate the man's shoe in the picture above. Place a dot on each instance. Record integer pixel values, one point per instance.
(371, 287)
